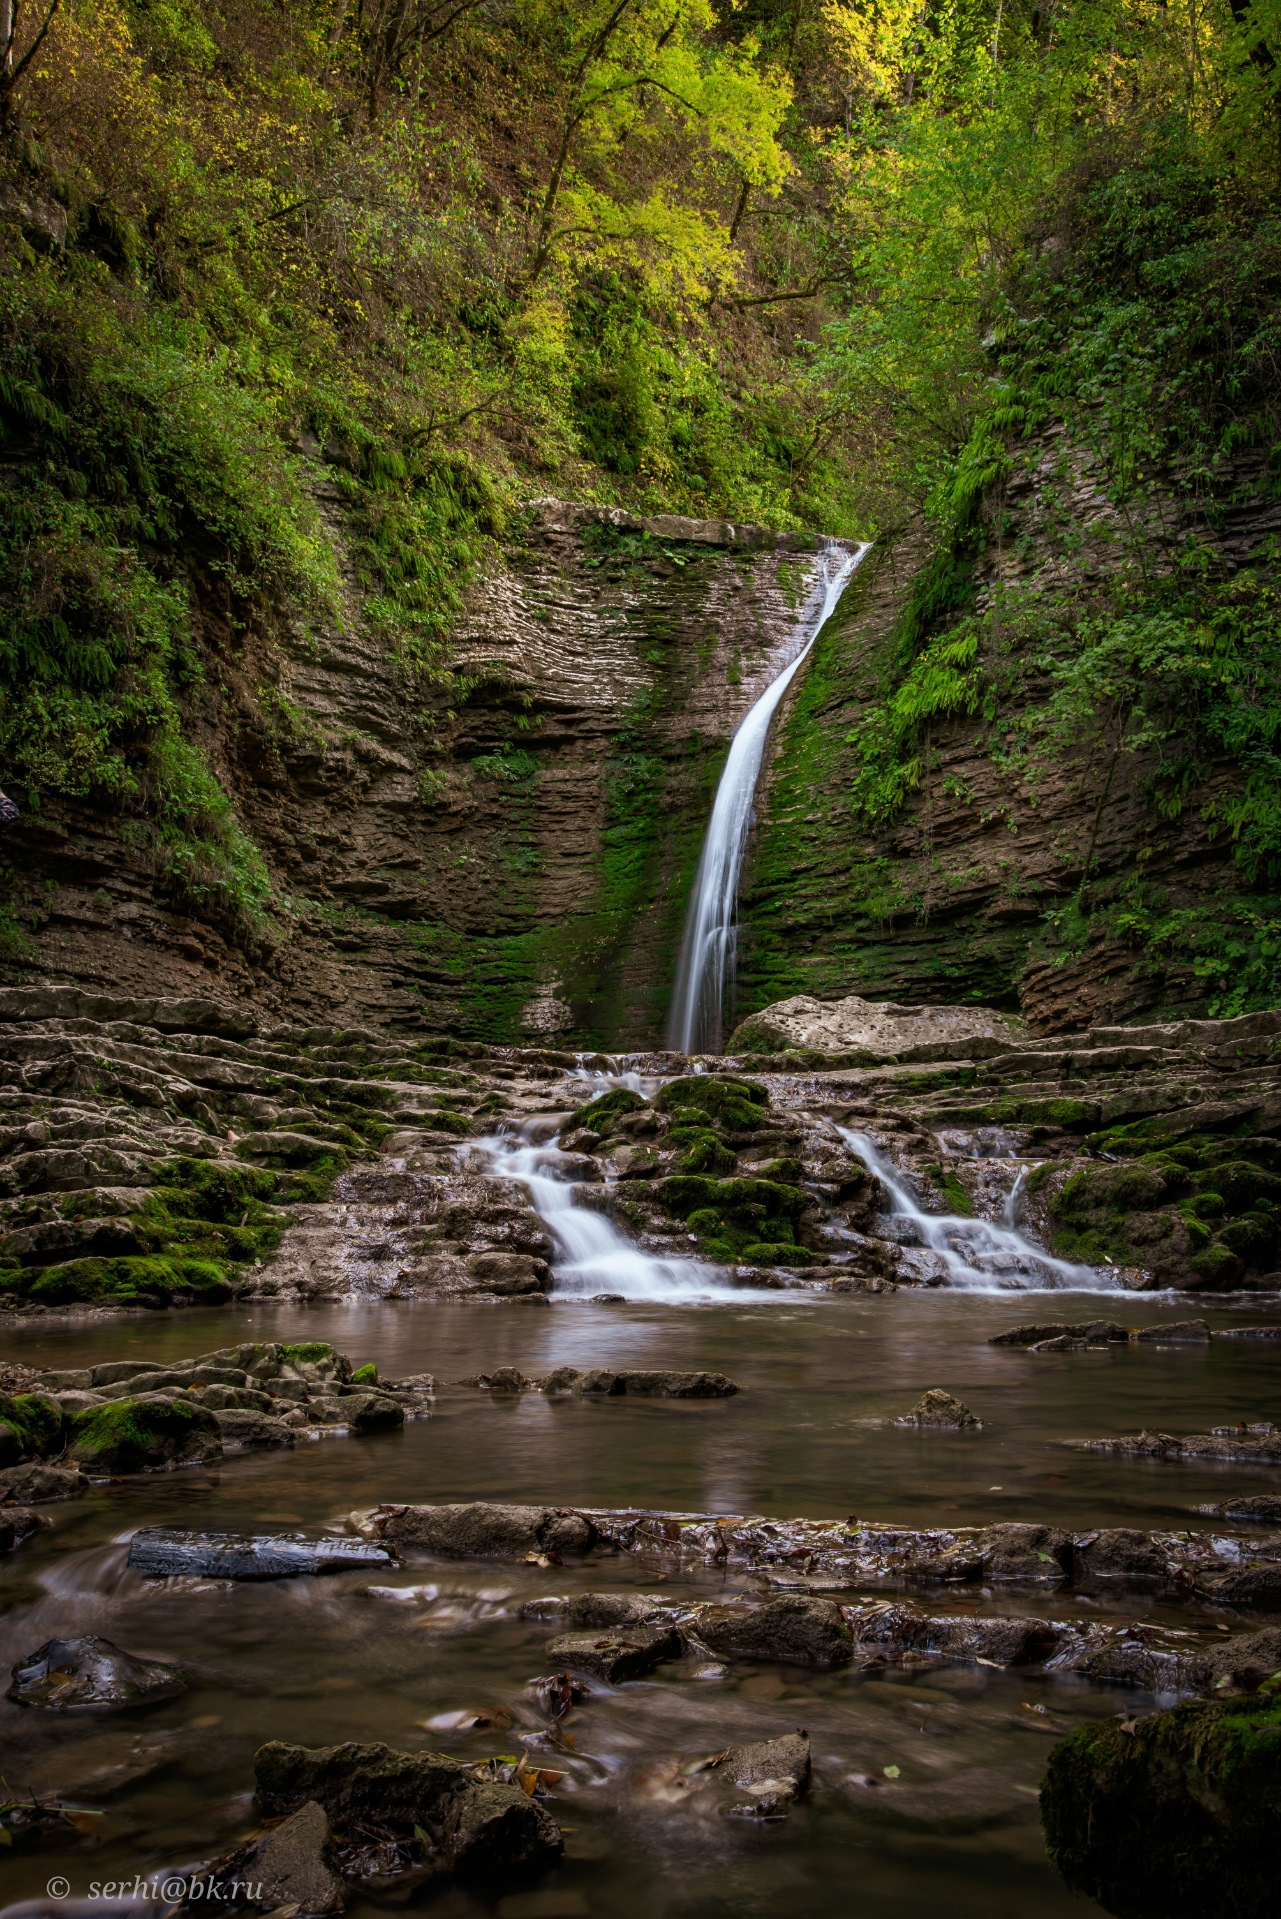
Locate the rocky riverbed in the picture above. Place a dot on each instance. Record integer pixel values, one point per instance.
(557, 1435)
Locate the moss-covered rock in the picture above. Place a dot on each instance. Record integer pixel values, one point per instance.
(619, 1100)
(737, 1104)
(1174, 1817)
(32, 1427)
(143, 1435)
(729, 1215)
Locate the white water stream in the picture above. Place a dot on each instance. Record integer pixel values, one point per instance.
(705, 976)
(594, 1255)
(978, 1256)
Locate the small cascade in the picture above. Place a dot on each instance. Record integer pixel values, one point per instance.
(595, 1257)
(705, 976)
(979, 1257)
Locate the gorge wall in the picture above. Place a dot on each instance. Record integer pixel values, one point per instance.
(503, 855)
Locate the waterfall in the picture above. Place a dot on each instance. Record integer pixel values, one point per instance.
(593, 1256)
(705, 976)
(979, 1257)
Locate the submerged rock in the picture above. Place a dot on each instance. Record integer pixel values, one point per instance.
(1183, 1332)
(1264, 1507)
(66, 1673)
(1172, 1814)
(795, 1629)
(618, 1653)
(773, 1772)
(937, 1408)
(483, 1531)
(657, 1385)
(162, 1554)
(431, 1807)
(1026, 1552)
(1261, 1444)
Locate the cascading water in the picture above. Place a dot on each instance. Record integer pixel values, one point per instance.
(595, 1257)
(979, 1257)
(705, 975)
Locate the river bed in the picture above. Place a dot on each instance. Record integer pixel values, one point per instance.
(317, 1661)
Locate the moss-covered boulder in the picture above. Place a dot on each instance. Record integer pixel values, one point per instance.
(619, 1100)
(30, 1427)
(739, 1105)
(730, 1215)
(143, 1435)
(1173, 1816)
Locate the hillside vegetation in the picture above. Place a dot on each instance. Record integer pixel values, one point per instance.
(815, 265)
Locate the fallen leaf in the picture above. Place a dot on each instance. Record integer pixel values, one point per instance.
(1043, 1710)
(891, 1772)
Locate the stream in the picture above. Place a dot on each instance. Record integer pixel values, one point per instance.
(379, 1658)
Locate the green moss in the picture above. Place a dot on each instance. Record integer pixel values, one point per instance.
(366, 1375)
(129, 1435)
(955, 1194)
(736, 1104)
(127, 1281)
(34, 1422)
(312, 1353)
(619, 1100)
(1218, 1267)
(728, 1215)
(1173, 1815)
(777, 1253)
(703, 1152)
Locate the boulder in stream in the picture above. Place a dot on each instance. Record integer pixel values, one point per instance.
(1026, 1552)
(67, 1673)
(616, 1653)
(937, 1408)
(795, 1628)
(144, 1435)
(17, 1524)
(431, 1809)
(1180, 1332)
(159, 1553)
(1170, 1814)
(1089, 1332)
(1263, 1507)
(484, 1531)
(656, 1385)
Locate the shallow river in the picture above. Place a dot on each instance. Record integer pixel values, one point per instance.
(317, 1661)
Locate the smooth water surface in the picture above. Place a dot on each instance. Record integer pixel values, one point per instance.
(318, 1661)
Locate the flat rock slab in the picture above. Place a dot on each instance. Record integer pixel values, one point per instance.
(770, 1764)
(68, 1673)
(162, 1554)
(290, 1865)
(1249, 1332)
(1265, 1508)
(657, 1385)
(880, 1030)
(1094, 1332)
(1183, 1332)
(618, 1653)
(795, 1629)
(484, 1531)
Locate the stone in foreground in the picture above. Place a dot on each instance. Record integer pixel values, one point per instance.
(1171, 1815)
(17, 1524)
(433, 1812)
(67, 1673)
(796, 1629)
(483, 1531)
(937, 1408)
(143, 1435)
(290, 1865)
(161, 1554)
(617, 1653)
(35, 1483)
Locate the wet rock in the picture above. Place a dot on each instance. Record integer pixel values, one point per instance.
(17, 1525)
(1120, 1552)
(67, 1673)
(1263, 1507)
(610, 1609)
(1261, 1445)
(771, 1765)
(1239, 1664)
(878, 1031)
(617, 1653)
(658, 1385)
(159, 1553)
(937, 1408)
(1170, 1814)
(1183, 1332)
(1026, 1552)
(244, 1431)
(1250, 1332)
(1004, 1641)
(412, 1383)
(35, 1483)
(143, 1435)
(291, 1865)
(372, 1412)
(1093, 1331)
(794, 1628)
(483, 1531)
(1258, 1586)
(562, 1379)
(510, 1273)
(430, 1805)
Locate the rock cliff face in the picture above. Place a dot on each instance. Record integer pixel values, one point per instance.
(510, 855)
(950, 900)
